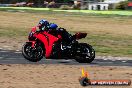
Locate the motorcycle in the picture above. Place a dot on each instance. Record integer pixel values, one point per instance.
(43, 44)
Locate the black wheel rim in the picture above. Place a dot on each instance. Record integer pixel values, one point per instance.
(35, 52)
(89, 53)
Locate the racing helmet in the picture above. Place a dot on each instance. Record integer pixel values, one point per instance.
(53, 26)
(43, 24)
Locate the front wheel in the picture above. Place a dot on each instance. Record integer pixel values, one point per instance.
(33, 54)
(86, 53)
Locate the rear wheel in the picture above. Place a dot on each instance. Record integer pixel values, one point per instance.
(33, 54)
(86, 53)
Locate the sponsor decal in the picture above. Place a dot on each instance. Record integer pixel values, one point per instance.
(85, 80)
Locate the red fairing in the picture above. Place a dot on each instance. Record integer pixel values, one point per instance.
(48, 41)
(32, 42)
(34, 29)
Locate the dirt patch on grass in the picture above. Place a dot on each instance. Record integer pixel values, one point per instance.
(57, 76)
(7, 43)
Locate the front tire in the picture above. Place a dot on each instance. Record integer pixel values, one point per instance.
(86, 55)
(32, 54)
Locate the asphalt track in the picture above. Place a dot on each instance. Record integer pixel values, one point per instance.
(15, 57)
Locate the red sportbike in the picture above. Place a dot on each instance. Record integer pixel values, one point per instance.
(43, 44)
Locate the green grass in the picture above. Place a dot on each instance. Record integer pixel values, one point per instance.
(110, 45)
(14, 32)
(113, 12)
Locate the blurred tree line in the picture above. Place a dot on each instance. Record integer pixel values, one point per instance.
(40, 1)
(34, 1)
(122, 5)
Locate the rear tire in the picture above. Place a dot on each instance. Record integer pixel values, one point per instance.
(32, 54)
(86, 55)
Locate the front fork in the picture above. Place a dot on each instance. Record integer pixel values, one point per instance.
(33, 43)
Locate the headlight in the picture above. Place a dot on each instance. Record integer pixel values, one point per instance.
(31, 34)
